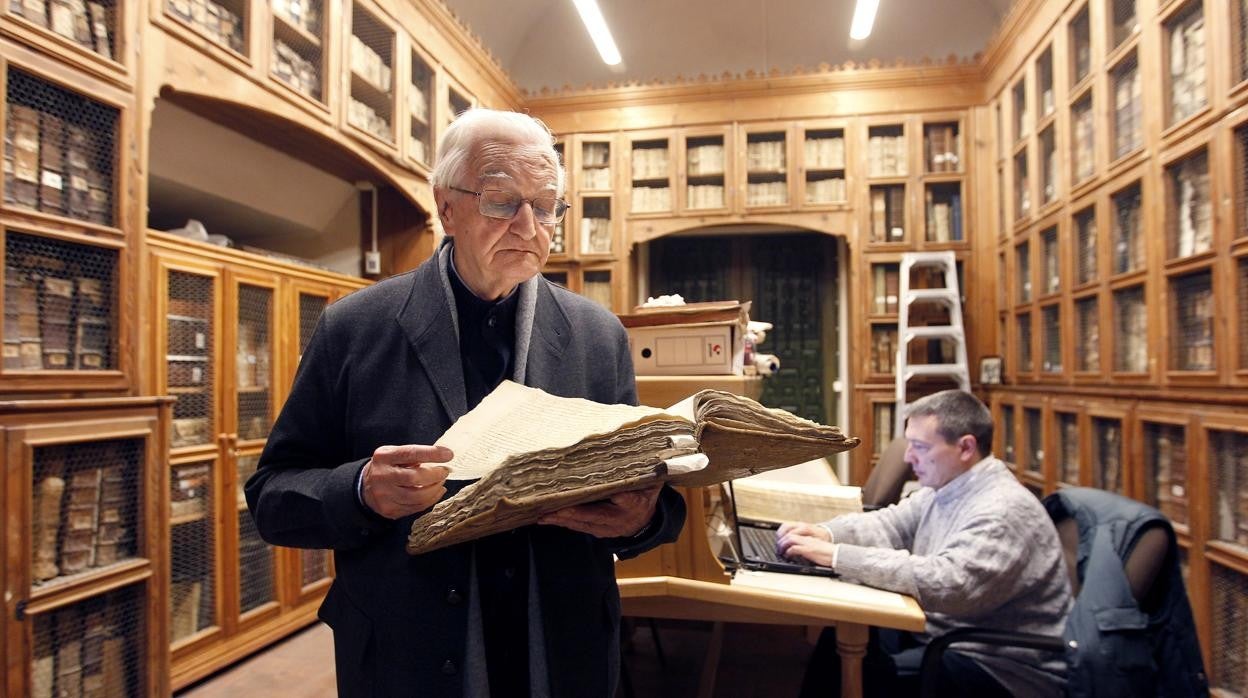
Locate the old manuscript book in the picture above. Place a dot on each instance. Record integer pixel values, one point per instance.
(532, 453)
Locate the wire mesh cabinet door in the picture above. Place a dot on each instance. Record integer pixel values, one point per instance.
(83, 570)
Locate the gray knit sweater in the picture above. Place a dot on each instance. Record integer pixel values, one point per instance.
(981, 551)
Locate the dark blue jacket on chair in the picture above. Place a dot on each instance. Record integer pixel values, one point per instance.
(1113, 647)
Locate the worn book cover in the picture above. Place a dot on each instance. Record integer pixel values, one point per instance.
(532, 453)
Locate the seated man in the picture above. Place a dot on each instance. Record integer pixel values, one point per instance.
(972, 546)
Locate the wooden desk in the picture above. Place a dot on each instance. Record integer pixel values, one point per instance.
(685, 580)
(781, 599)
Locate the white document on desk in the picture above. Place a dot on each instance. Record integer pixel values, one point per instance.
(818, 587)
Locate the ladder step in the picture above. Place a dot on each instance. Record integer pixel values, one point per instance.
(941, 295)
(944, 258)
(933, 332)
(913, 370)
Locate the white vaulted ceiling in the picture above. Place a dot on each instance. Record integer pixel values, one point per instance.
(542, 44)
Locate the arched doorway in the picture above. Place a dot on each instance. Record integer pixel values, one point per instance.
(794, 279)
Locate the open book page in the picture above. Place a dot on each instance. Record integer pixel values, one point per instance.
(770, 500)
(515, 419)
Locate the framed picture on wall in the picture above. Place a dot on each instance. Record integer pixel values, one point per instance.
(990, 370)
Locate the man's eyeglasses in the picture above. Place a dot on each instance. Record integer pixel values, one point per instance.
(496, 203)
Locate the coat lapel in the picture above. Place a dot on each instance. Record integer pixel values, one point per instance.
(427, 322)
(550, 337)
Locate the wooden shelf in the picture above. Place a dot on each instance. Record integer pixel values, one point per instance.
(294, 35)
(376, 97)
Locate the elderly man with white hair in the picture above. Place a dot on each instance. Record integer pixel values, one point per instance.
(349, 464)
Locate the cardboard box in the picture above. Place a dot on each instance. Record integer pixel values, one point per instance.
(715, 348)
(691, 339)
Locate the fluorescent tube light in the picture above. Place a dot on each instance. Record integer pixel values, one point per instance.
(598, 31)
(864, 18)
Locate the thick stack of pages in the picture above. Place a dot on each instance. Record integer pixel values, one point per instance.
(533, 453)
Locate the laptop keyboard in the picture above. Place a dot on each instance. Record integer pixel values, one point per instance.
(760, 544)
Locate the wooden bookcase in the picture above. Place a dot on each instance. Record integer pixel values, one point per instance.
(84, 569)
(231, 328)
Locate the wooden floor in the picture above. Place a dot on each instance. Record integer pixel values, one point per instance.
(757, 661)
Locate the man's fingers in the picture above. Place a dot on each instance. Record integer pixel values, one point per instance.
(412, 454)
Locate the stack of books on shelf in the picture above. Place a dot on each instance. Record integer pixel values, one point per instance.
(826, 191)
(21, 157)
(942, 148)
(883, 349)
(944, 216)
(1187, 67)
(596, 235)
(23, 347)
(1230, 458)
(1195, 208)
(764, 156)
(767, 193)
(295, 70)
(652, 199)
(596, 178)
(825, 153)
(417, 102)
(56, 300)
(706, 196)
(185, 598)
(650, 163)
(1022, 186)
(888, 211)
(305, 14)
(705, 160)
(886, 155)
(596, 155)
(1089, 354)
(49, 167)
(1132, 332)
(1127, 112)
(885, 284)
(369, 65)
(1084, 134)
(219, 22)
(189, 493)
(365, 117)
(883, 427)
(1170, 470)
(83, 22)
(1194, 304)
(82, 650)
(83, 515)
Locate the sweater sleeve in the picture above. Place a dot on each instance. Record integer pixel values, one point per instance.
(892, 527)
(964, 579)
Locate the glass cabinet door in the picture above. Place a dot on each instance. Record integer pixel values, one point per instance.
(188, 342)
(650, 175)
(767, 168)
(250, 360)
(256, 561)
(706, 170)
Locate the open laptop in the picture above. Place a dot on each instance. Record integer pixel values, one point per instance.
(753, 546)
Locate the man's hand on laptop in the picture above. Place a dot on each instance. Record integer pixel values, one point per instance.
(806, 541)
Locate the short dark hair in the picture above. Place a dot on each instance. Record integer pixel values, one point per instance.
(957, 413)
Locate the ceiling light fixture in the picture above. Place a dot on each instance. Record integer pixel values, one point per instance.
(598, 31)
(864, 18)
